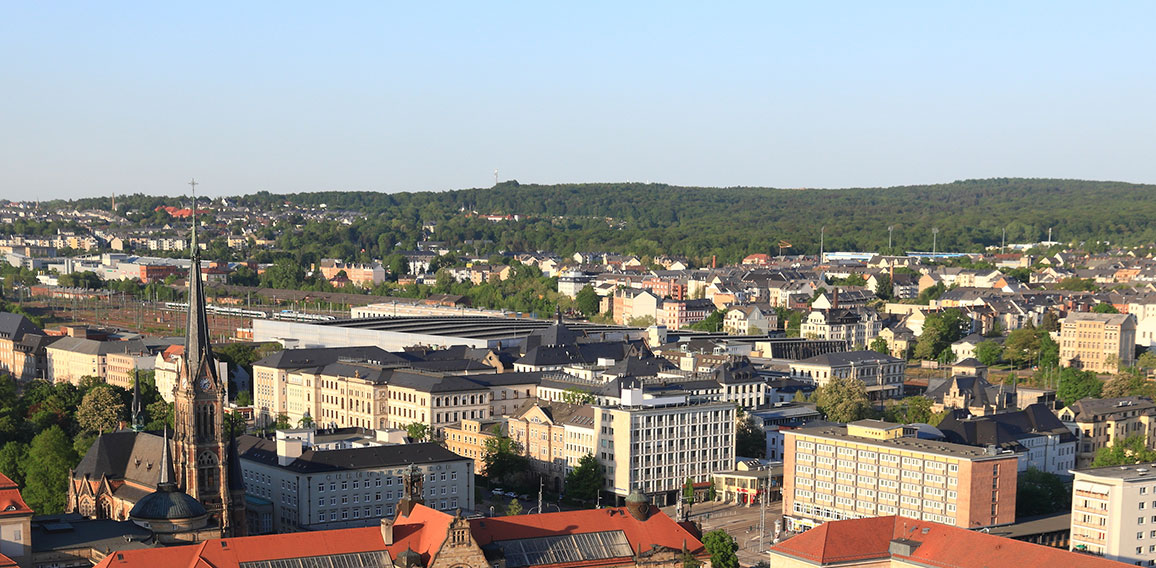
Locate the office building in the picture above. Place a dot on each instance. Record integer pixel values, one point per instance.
(872, 468)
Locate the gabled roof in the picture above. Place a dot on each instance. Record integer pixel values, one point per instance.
(924, 544)
(1089, 409)
(1005, 428)
(658, 530)
(14, 326)
(133, 456)
(422, 531)
(11, 503)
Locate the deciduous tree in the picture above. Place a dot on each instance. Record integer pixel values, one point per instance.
(100, 411)
(1131, 450)
(46, 472)
(989, 352)
(584, 481)
(843, 399)
(722, 549)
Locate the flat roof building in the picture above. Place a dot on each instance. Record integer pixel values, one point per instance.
(873, 468)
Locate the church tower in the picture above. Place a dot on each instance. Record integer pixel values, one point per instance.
(202, 459)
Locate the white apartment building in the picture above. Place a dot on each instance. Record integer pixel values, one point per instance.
(305, 487)
(656, 443)
(882, 374)
(1114, 513)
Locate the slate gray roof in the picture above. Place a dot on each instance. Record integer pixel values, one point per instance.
(1089, 409)
(133, 456)
(1004, 429)
(94, 347)
(264, 451)
(849, 357)
(640, 367)
(433, 383)
(320, 357)
(15, 326)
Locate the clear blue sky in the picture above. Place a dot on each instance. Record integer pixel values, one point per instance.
(101, 97)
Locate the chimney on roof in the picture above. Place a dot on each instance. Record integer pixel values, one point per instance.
(835, 298)
(387, 531)
(714, 261)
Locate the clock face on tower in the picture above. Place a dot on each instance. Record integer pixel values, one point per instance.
(205, 383)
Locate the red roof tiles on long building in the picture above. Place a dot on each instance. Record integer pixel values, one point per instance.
(838, 542)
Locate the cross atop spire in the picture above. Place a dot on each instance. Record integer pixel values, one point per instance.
(196, 249)
(198, 351)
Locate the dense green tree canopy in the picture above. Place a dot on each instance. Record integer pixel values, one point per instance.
(584, 481)
(843, 399)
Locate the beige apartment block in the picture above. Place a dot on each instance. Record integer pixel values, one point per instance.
(554, 436)
(1100, 422)
(1101, 343)
(872, 468)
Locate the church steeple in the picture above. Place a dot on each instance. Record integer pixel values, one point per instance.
(200, 460)
(198, 348)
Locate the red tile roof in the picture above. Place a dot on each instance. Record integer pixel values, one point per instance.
(423, 531)
(938, 545)
(657, 530)
(11, 503)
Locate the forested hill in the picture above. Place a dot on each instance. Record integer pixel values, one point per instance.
(733, 222)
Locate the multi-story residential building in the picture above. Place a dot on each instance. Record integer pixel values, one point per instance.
(573, 281)
(882, 374)
(310, 488)
(677, 314)
(656, 443)
(1102, 343)
(271, 374)
(468, 439)
(855, 326)
(1099, 423)
(121, 368)
(871, 468)
(365, 275)
(750, 319)
(1035, 434)
(22, 347)
(1114, 513)
(632, 304)
(554, 436)
(372, 388)
(70, 359)
(844, 297)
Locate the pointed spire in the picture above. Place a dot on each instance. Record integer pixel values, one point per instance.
(198, 348)
(193, 209)
(137, 415)
(166, 466)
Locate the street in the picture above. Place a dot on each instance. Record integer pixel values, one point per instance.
(740, 522)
